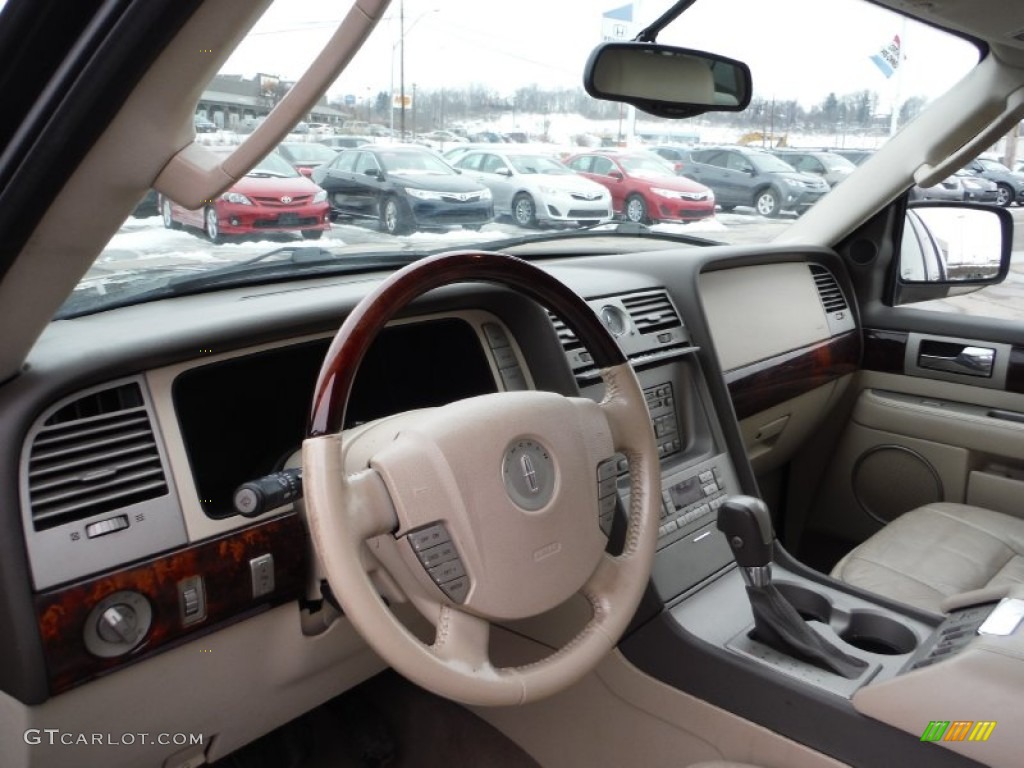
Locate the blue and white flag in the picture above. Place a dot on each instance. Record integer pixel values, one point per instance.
(888, 59)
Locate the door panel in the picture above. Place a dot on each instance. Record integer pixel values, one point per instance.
(917, 434)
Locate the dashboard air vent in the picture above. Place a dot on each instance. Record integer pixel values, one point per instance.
(95, 454)
(565, 334)
(831, 296)
(651, 311)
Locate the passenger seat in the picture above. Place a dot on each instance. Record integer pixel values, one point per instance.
(935, 551)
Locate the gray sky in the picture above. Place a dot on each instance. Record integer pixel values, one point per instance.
(507, 45)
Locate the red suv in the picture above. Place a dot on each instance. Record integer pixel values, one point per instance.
(644, 188)
(272, 197)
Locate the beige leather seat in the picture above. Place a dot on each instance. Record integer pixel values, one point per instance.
(936, 551)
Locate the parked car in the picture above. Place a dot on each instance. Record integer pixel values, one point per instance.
(962, 185)
(404, 188)
(536, 188)
(305, 156)
(644, 188)
(674, 154)
(272, 197)
(976, 188)
(453, 153)
(833, 168)
(149, 205)
(442, 137)
(754, 177)
(855, 156)
(950, 188)
(1009, 185)
(345, 142)
(203, 125)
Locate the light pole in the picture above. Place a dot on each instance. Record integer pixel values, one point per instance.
(400, 45)
(401, 63)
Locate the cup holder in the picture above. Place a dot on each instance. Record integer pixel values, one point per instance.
(874, 633)
(812, 606)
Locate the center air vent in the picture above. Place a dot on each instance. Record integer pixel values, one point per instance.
(94, 455)
(651, 311)
(645, 325)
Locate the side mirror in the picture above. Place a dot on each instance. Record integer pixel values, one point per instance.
(375, 173)
(949, 249)
(615, 175)
(503, 172)
(667, 81)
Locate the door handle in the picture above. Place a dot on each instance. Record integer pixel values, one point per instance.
(970, 361)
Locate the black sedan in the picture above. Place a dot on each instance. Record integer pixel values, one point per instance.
(405, 188)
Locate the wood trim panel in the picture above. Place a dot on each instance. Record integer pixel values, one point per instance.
(222, 562)
(884, 351)
(759, 386)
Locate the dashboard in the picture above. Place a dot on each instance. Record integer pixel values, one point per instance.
(134, 427)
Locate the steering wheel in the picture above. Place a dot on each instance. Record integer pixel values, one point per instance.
(486, 509)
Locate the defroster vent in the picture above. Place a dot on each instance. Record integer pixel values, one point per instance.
(94, 455)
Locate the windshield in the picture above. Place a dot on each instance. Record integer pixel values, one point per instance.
(441, 74)
(537, 164)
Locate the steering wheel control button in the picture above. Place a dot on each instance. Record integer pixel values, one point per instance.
(456, 589)
(513, 378)
(103, 527)
(445, 572)
(438, 555)
(261, 570)
(606, 469)
(442, 553)
(428, 537)
(529, 474)
(505, 357)
(496, 336)
(117, 624)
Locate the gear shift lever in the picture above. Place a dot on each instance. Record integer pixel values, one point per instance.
(747, 526)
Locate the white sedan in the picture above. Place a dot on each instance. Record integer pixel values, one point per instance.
(534, 188)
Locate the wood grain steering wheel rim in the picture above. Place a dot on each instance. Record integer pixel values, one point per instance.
(442, 467)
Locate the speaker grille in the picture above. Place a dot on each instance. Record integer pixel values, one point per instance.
(889, 480)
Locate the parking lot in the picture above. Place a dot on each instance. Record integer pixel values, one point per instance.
(145, 242)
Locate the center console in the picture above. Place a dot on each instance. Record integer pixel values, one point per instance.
(696, 471)
(698, 633)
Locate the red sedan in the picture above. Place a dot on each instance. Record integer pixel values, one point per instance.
(272, 197)
(644, 188)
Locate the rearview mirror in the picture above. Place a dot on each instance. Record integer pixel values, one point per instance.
(667, 81)
(952, 249)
